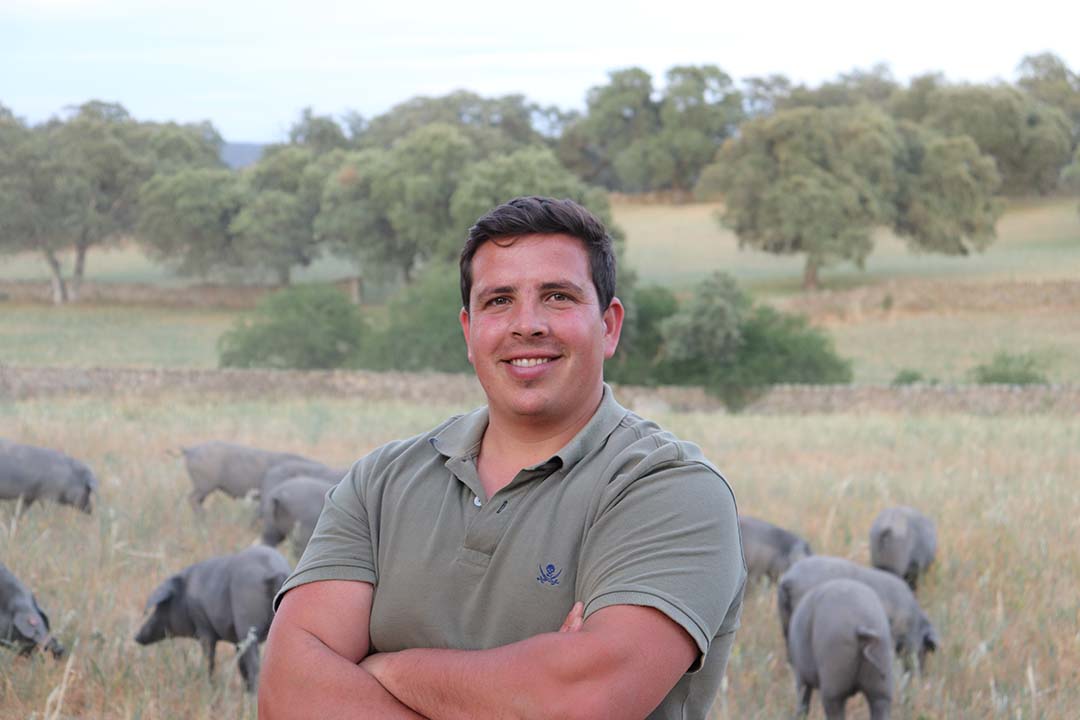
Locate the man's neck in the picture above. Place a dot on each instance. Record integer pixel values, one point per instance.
(508, 445)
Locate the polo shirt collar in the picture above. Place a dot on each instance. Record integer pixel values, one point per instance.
(461, 438)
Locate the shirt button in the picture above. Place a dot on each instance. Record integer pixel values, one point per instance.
(476, 501)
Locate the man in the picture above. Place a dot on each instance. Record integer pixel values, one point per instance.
(550, 555)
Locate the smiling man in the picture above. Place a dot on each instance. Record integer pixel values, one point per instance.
(549, 555)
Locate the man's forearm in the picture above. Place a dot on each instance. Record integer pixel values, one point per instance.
(549, 675)
(303, 678)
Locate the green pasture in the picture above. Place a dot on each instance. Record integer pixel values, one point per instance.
(1003, 593)
(668, 244)
(127, 263)
(110, 335)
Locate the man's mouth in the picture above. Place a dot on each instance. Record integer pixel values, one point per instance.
(529, 362)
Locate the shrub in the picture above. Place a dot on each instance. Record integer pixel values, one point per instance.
(907, 376)
(736, 350)
(306, 327)
(421, 331)
(704, 334)
(775, 347)
(1010, 369)
(646, 309)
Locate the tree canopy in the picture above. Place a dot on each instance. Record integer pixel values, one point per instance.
(630, 140)
(817, 182)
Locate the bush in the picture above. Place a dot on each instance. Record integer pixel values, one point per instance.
(736, 350)
(646, 309)
(907, 376)
(421, 331)
(1010, 369)
(305, 327)
(704, 334)
(774, 348)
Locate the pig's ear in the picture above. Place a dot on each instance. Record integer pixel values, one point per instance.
(30, 626)
(40, 611)
(165, 591)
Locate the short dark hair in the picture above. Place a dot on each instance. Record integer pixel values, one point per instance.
(535, 215)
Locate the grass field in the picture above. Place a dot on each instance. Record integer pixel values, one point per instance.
(1004, 593)
(670, 245)
(945, 347)
(675, 245)
(106, 336)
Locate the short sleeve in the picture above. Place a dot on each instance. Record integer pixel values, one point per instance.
(667, 537)
(341, 544)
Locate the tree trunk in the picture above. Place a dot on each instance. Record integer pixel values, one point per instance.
(59, 288)
(77, 274)
(810, 273)
(356, 289)
(283, 276)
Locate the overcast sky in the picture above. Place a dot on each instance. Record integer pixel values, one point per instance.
(250, 66)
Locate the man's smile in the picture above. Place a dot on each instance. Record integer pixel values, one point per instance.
(530, 361)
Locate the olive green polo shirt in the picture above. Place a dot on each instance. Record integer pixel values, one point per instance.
(624, 514)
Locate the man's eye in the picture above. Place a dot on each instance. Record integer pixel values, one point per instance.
(559, 297)
(498, 301)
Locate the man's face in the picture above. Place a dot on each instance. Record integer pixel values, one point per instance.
(534, 330)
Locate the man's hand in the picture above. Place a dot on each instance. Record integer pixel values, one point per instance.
(375, 663)
(309, 662)
(575, 619)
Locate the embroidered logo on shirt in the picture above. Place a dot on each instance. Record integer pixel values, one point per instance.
(548, 575)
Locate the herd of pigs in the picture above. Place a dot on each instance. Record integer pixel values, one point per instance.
(841, 621)
(222, 598)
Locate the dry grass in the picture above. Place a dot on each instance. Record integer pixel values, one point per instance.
(676, 245)
(946, 346)
(110, 336)
(1004, 594)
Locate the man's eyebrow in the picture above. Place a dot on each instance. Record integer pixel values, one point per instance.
(500, 290)
(573, 288)
(546, 287)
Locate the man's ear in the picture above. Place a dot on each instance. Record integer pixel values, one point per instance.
(613, 320)
(463, 317)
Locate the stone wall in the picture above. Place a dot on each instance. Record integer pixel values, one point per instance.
(20, 383)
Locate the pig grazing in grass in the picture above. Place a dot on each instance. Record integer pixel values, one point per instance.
(23, 624)
(37, 473)
(913, 633)
(224, 598)
(839, 644)
(903, 541)
(295, 468)
(236, 470)
(294, 506)
(769, 550)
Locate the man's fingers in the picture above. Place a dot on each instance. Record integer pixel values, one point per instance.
(575, 619)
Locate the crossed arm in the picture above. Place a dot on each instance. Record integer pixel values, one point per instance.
(620, 663)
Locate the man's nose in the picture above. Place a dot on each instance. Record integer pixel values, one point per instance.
(529, 321)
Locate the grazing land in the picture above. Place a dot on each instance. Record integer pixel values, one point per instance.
(1003, 488)
(904, 311)
(675, 245)
(1003, 593)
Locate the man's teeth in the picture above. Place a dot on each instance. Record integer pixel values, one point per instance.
(529, 362)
